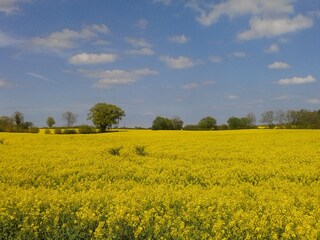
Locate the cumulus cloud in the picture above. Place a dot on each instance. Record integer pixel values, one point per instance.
(138, 42)
(211, 13)
(67, 38)
(10, 6)
(271, 27)
(297, 80)
(92, 58)
(279, 65)
(6, 40)
(142, 51)
(180, 62)
(116, 77)
(4, 83)
(181, 39)
(273, 48)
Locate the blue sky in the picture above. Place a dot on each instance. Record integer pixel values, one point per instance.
(186, 58)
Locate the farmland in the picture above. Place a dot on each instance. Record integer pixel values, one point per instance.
(246, 184)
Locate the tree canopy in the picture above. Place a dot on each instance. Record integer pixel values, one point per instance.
(105, 115)
(207, 123)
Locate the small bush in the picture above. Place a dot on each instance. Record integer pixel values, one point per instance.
(34, 130)
(115, 151)
(85, 129)
(69, 131)
(47, 131)
(140, 150)
(58, 131)
(1, 140)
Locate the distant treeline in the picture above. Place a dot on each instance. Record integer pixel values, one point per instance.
(299, 119)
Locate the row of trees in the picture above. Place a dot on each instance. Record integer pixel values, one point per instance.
(102, 115)
(281, 119)
(105, 116)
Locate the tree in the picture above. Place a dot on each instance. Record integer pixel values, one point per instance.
(251, 119)
(105, 115)
(177, 123)
(267, 118)
(207, 123)
(50, 122)
(70, 118)
(6, 124)
(280, 117)
(18, 119)
(161, 123)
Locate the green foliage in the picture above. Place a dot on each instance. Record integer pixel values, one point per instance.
(161, 123)
(69, 131)
(239, 123)
(86, 129)
(115, 151)
(34, 130)
(58, 131)
(191, 127)
(207, 123)
(47, 131)
(105, 115)
(50, 122)
(140, 150)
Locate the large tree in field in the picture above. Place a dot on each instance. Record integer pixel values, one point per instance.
(105, 115)
(207, 123)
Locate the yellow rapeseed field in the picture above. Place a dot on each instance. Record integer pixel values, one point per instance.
(248, 184)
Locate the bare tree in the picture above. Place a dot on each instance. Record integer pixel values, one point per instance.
(70, 118)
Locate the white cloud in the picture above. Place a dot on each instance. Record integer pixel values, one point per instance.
(210, 13)
(271, 27)
(313, 100)
(279, 65)
(67, 38)
(215, 59)
(142, 51)
(10, 6)
(181, 39)
(273, 48)
(232, 97)
(138, 43)
(180, 62)
(115, 77)
(91, 58)
(6, 40)
(296, 80)
(239, 54)
(4, 83)
(141, 23)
